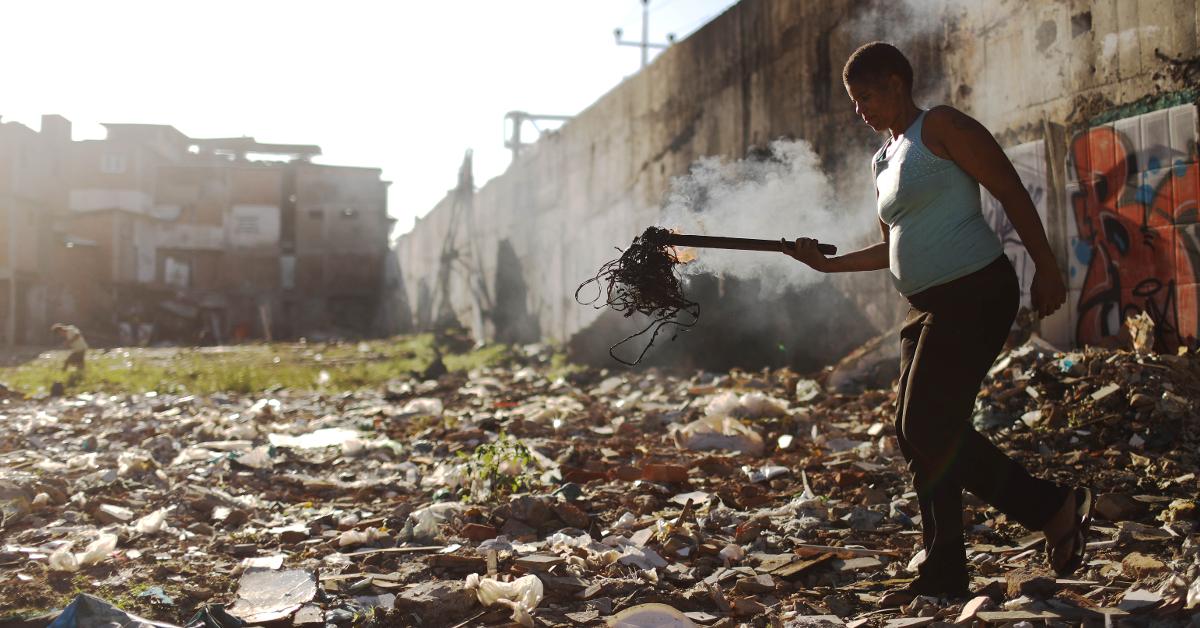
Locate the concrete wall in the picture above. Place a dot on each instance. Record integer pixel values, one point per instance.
(1036, 73)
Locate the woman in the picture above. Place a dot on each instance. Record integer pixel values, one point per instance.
(964, 295)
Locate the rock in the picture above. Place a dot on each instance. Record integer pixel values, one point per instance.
(1138, 566)
(980, 603)
(1118, 507)
(838, 605)
(515, 529)
(755, 585)
(1034, 583)
(1180, 510)
(1139, 598)
(538, 562)
(108, 514)
(746, 607)
(441, 602)
(814, 621)
(293, 534)
(863, 519)
(15, 502)
(530, 510)
(572, 515)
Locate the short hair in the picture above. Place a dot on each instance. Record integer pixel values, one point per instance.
(876, 61)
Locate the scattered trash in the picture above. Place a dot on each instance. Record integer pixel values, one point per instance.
(650, 616)
(522, 595)
(784, 500)
(723, 433)
(86, 611)
(266, 595)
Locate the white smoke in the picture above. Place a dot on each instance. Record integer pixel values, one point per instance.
(785, 195)
(905, 22)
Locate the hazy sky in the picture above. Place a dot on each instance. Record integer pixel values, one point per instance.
(402, 85)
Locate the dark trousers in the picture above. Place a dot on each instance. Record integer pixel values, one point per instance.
(950, 338)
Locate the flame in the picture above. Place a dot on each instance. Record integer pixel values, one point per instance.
(685, 254)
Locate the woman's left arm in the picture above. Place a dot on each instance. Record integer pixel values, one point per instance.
(967, 142)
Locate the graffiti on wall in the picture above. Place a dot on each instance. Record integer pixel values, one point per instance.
(1135, 246)
(1029, 159)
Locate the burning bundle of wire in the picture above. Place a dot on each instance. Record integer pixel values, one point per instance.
(644, 279)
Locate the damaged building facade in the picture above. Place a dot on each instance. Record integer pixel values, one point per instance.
(149, 235)
(1095, 102)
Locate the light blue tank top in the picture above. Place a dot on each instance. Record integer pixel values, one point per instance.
(936, 228)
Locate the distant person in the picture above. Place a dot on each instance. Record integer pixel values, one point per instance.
(963, 296)
(73, 339)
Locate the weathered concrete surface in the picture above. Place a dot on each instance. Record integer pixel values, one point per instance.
(506, 260)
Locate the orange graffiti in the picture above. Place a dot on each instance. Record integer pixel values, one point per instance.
(1139, 242)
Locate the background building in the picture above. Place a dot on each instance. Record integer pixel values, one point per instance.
(148, 235)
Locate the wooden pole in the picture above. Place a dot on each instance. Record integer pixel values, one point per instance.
(739, 244)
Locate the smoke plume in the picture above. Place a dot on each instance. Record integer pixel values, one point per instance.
(782, 193)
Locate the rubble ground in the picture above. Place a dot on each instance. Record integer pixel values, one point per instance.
(494, 486)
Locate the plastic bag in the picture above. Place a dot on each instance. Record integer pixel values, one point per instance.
(522, 595)
(426, 521)
(85, 611)
(97, 550)
(360, 537)
(732, 553)
(424, 406)
(650, 616)
(63, 559)
(152, 523)
(714, 432)
(751, 405)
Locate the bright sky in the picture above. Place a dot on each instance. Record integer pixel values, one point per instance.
(402, 85)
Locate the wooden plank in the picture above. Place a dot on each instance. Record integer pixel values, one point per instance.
(1004, 617)
(399, 550)
(795, 569)
(538, 562)
(805, 549)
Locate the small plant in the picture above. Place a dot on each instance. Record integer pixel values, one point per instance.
(499, 467)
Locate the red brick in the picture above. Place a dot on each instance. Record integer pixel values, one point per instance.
(478, 532)
(666, 473)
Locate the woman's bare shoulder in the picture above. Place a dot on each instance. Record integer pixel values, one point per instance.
(946, 125)
(943, 117)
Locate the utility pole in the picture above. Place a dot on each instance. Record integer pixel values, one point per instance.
(645, 44)
(513, 122)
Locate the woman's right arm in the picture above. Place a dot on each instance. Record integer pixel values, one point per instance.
(874, 257)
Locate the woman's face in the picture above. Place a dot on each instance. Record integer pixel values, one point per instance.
(877, 102)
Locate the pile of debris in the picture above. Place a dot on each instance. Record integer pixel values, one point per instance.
(632, 498)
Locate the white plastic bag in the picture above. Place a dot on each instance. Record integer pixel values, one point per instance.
(152, 523)
(427, 520)
(650, 616)
(62, 559)
(732, 553)
(752, 405)
(522, 595)
(424, 406)
(714, 432)
(97, 550)
(756, 405)
(360, 537)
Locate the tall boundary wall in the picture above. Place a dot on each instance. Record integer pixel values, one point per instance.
(1094, 101)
